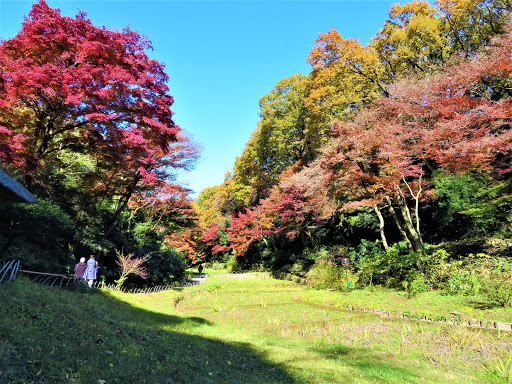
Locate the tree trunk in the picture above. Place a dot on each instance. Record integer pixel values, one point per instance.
(398, 222)
(417, 205)
(414, 237)
(381, 227)
(121, 205)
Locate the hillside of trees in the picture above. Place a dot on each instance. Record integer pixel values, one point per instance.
(395, 155)
(86, 126)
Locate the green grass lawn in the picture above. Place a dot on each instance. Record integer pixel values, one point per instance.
(433, 304)
(206, 271)
(233, 331)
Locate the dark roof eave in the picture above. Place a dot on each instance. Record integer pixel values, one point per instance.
(13, 192)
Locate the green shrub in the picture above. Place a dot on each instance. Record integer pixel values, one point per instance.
(37, 234)
(482, 274)
(378, 266)
(465, 282)
(414, 283)
(233, 265)
(215, 265)
(312, 255)
(258, 267)
(299, 268)
(497, 287)
(165, 266)
(327, 275)
(436, 269)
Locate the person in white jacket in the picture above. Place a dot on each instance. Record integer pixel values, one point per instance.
(91, 270)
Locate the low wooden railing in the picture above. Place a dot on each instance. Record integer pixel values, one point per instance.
(9, 271)
(50, 279)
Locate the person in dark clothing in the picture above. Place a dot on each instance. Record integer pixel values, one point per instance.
(200, 270)
(80, 269)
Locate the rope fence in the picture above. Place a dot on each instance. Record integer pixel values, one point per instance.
(49, 279)
(143, 291)
(10, 270)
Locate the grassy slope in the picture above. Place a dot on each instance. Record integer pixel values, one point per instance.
(427, 303)
(240, 331)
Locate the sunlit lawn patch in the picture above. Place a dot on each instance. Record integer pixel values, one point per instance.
(232, 331)
(430, 303)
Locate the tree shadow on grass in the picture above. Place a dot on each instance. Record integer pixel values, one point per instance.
(483, 304)
(48, 335)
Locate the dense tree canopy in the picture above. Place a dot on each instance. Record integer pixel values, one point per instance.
(85, 118)
(397, 122)
(372, 156)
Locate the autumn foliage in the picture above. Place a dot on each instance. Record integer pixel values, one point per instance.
(428, 97)
(371, 144)
(67, 85)
(86, 123)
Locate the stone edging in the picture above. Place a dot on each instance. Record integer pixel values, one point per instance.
(472, 323)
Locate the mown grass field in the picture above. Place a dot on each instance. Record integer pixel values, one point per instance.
(236, 331)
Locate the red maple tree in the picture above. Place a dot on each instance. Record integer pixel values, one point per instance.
(67, 86)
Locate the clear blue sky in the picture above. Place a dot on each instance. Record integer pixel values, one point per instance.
(221, 57)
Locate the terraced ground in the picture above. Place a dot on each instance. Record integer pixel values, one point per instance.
(231, 331)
